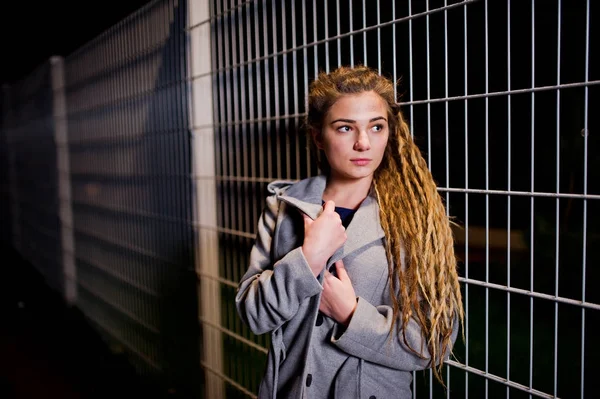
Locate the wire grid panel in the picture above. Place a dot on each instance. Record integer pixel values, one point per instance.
(497, 95)
(130, 167)
(31, 150)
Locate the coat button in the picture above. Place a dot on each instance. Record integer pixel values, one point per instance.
(372, 397)
(319, 320)
(308, 380)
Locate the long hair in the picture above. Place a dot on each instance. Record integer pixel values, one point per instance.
(413, 217)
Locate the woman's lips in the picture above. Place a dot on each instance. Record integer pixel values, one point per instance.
(360, 161)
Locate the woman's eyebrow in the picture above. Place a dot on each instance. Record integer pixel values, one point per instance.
(353, 121)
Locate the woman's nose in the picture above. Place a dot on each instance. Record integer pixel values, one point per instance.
(362, 142)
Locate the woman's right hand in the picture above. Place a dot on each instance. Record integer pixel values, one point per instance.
(322, 237)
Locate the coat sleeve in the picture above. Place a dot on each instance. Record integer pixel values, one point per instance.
(270, 293)
(368, 337)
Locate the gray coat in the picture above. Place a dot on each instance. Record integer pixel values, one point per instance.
(279, 294)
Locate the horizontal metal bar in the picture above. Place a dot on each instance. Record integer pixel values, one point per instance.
(124, 99)
(518, 193)
(129, 247)
(335, 38)
(110, 71)
(112, 141)
(219, 15)
(230, 283)
(240, 179)
(501, 380)
(503, 93)
(227, 379)
(129, 211)
(259, 120)
(232, 232)
(133, 212)
(118, 308)
(533, 294)
(129, 346)
(118, 276)
(120, 177)
(234, 335)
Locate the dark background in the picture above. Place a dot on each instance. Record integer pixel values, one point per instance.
(33, 32)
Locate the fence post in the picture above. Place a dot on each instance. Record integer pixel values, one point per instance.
(205, 204)
(59, 119)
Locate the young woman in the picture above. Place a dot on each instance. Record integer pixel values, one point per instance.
(353, 271)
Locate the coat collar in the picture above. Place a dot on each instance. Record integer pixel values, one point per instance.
(306, 196)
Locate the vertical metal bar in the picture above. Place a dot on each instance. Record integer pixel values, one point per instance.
(410, 57)
(253, 144)
(446, 124)
(306, 86)
(428, 87)
(364, 15)
(227, 167)
(243, 151)
(235, 130)
(267, 89)
(218, 49)
(487, 201)
(378, 37)
(557, 242)
(447, 128)
(286, 107)
(315, 38)
(276, 90)
(393, 51)
(339, 41)
(326, 35)
(466, 75)
(351, 6)
(236, 217)
(228, 196)
(428, 135)
(531, 258)
(585, 162)
(295, 95)
(508, 199)
(412, 119)
(259, 89)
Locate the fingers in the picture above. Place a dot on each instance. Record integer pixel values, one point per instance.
(329, 206)
(341, 270)
(307, 221)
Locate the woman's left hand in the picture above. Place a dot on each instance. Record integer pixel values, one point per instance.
(338, 299)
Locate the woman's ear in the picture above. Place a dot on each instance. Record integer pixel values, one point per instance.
(317, 138)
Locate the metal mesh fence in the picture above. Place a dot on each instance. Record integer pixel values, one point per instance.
(129, 171)
(498, 97)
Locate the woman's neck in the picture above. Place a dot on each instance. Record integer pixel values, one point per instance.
(347, 193)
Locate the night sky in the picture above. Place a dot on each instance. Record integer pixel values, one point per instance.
(33, 32)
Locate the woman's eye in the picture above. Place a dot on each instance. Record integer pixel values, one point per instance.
(378, 128)
(344, 129)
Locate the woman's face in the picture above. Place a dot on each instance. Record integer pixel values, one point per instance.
(354, 135)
